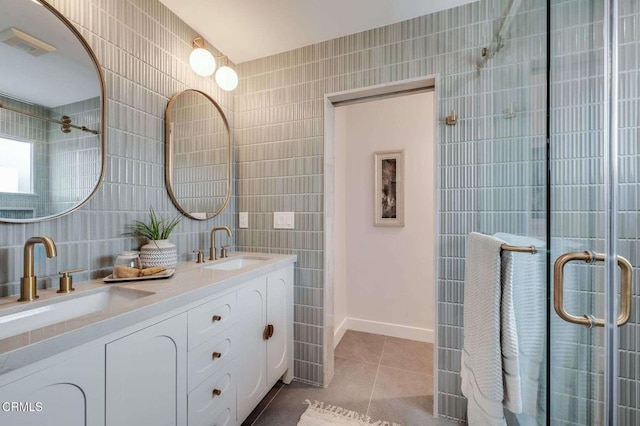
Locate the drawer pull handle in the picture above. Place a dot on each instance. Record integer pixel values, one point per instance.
(267, 333)
(217, 392)
(216, 318)
(216, 355)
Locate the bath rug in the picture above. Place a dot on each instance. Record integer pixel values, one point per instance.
(319, 414)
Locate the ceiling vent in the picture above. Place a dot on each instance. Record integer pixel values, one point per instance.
(24, 42)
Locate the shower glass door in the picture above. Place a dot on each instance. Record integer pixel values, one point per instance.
(593, 370)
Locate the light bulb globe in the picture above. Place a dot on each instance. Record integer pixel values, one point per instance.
(227, 78)
(202, 62)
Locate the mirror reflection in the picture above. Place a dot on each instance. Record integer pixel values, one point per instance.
(198, 155)
(51, 114)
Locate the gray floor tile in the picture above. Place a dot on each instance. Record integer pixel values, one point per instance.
(285, 409)
(350, 388)
(365, 381)
(360, 346)
(263, 404)
(408, 355)
(403, 397)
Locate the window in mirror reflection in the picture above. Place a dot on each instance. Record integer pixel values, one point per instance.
(15, 166)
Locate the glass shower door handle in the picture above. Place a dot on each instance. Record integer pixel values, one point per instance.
(626, 278)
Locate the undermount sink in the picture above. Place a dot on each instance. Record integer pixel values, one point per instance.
(40, 314)
(237, 263)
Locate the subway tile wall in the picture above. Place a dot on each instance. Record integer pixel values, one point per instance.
(279, 113)
(491, 165)
(143, 49)
(74, 158)
(578, 205)
(576, 152)
(629, 205)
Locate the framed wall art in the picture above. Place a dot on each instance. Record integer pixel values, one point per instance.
(389, 188)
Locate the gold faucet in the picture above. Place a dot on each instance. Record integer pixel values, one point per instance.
(28, 281)
(213, 254)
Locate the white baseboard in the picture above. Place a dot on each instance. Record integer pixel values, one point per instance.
(384, 328)
(339, 332)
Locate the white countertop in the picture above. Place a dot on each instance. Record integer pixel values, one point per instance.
(191, 283)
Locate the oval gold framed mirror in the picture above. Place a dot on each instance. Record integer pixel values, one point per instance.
(197, 155)
(52, 114)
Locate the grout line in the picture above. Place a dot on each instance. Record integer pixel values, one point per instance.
(267, 406)
(406, 371)
(373, 388)
(357, 360)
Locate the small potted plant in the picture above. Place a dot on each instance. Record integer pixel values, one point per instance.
(158, 251)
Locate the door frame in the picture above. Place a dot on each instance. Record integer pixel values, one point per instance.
(364, 94)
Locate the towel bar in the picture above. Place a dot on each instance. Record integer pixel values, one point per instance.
(519, 249)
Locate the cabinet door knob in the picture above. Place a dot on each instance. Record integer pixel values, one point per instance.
(265, 333)
(271, 330)
(217, 392)
(216, 318)
(216, 355)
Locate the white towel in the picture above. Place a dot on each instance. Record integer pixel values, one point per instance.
(509, 345)
(529, 306)
(486, 344)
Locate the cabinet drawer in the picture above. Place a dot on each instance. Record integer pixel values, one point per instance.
(211, 318)
(207, 408)
(212, 355)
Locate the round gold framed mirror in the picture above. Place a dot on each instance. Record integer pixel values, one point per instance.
(52, 114)
(197, 155)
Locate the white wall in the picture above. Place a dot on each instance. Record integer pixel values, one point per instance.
(339, 224)
(385, 280)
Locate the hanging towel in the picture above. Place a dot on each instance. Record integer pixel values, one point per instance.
(481, 365)
(529, 282)
(489, 365)
(509, 344)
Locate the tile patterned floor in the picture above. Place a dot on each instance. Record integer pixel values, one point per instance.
(385, 377)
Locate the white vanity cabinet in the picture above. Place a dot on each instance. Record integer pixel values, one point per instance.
(213, 345)
(146, 376)
(69, 393)
(203, 362)
(266, 337)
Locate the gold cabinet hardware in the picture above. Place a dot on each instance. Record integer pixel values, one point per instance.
(66, 280)
(626, 278)
(270, 330)
(216, 355)
(265, 333)
(217, 392)
(200, 256)
(216, 318)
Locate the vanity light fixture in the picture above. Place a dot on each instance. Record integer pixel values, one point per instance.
(227, 78)
(201, 60)
(204, 64)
